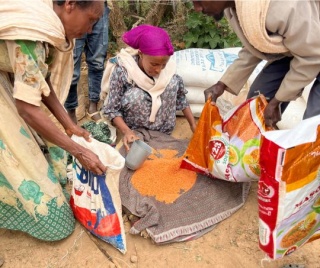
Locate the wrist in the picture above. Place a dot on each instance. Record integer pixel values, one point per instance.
(274, 102)
(67, 122)
(76, 151)
(70, 129)
(221, 84)
(126, 131)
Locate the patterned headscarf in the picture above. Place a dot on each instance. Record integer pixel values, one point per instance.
(150, 40)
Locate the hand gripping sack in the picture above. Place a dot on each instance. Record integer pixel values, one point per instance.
(289, 188)
(228, 149)
(95, 199)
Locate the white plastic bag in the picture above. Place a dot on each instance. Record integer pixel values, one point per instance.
(95, 199)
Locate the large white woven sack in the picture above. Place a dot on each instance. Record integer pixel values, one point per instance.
(202, 68)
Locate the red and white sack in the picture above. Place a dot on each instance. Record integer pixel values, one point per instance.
(95, 199)
(228, 148)
(289, 188)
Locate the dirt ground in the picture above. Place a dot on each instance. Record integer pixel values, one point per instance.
(233, 243)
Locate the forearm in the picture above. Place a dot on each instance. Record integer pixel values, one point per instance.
(189, 116)
(239, 71)
(56, 108)
(41, 123)
(120, 124)
(128, 135)
(301, 38)
(301, 74)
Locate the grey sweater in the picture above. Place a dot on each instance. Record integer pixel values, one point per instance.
(298, 22)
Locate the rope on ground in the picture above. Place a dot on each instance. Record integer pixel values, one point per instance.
(104, 252)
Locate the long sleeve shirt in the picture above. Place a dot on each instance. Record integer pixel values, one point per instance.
(298, 22)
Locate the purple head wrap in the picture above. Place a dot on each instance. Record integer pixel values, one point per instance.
(150, 40)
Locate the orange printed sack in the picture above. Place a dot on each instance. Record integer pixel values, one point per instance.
(228, 148)
(289, 188)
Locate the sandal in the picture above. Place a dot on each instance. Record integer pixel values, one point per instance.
(93, 114)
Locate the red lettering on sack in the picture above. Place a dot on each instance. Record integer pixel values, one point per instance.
(306, 199)
(217, 149)
(227, 174)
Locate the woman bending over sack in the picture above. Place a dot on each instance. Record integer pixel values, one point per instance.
(36, 68)
(143, 89)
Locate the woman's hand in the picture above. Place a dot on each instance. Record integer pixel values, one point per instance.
(90, 161)
(78, 131)
(129, 137)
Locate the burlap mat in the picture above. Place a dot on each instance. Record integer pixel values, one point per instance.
(193, 213)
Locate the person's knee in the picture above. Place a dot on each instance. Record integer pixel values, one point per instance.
(96, 63)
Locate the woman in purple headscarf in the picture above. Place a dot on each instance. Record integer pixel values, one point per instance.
(143, 89)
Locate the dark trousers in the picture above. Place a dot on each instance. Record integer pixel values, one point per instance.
(269, 80)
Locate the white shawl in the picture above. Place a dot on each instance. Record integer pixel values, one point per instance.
(36, 21)
(135, 74)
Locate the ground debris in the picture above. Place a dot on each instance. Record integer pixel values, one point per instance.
(133, 258)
